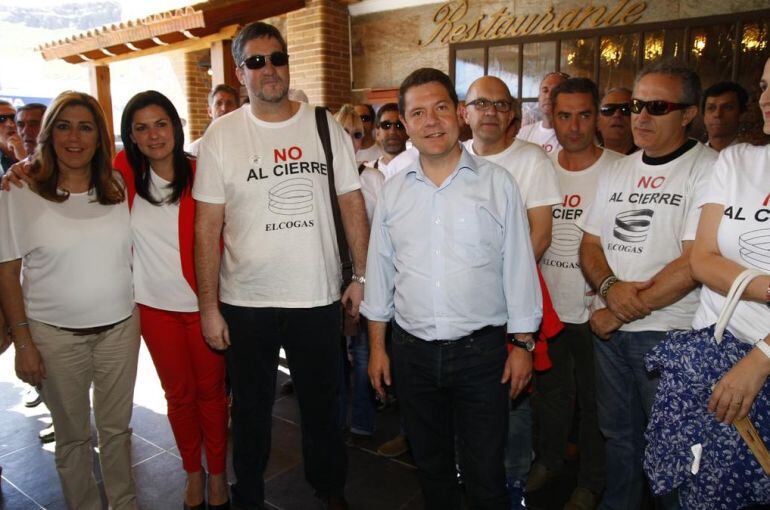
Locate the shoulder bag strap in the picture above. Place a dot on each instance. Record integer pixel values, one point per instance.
(322, 124)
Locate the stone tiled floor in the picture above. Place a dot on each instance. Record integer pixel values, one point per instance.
(29, 480)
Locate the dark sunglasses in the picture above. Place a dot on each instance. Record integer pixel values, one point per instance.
(366, 118)
(656, 107)
(277, 59)
(386, 125)
(5, 118)
(609, 109)
(482, 104)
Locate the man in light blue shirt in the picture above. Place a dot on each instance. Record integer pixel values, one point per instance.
(451, 263)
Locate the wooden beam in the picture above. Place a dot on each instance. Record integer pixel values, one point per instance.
(222, 64)
(99, 76)
(187, 45)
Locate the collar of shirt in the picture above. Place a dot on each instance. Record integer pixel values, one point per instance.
(466, 162)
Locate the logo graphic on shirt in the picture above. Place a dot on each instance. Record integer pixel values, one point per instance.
(755, 248)
(565, 241)
(633, 226)
(291, 197)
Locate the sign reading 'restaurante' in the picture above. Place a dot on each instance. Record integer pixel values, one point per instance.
(452, 27)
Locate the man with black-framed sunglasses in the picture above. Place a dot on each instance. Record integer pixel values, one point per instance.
(277, 283)
(390, 135)
(11, 146)
(638, 233)
(614, 121)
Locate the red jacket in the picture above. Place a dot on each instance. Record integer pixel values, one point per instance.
(186, 216)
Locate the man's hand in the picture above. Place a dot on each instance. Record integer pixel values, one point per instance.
(29, 364)
(352, 297)
(214, 329)
(603, 323)
(17, 146)
(624, 301)
(379, 371)
(16, 174)
(518, 369)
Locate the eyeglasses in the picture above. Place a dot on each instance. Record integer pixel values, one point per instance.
(366, 118)
(5, 118)
(386, 125)
(656, 107)
(482, 104)
(609, 109)
(277, 59)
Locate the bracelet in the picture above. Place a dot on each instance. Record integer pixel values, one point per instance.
(20, 347)
(608, 282)
(19, 324)
(762, 346)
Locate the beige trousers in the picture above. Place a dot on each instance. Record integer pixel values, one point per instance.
(73, 364)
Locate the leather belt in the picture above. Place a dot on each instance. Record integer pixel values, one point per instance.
(486, 330)
(91, 331)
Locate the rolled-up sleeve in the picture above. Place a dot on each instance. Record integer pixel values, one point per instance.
(521, 286)
(380, 270)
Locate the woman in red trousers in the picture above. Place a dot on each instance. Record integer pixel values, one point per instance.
(159, 178)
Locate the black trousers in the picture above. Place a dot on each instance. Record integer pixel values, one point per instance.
(310, 337)
(448, 389)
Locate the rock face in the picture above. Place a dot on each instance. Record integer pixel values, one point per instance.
(75, 16)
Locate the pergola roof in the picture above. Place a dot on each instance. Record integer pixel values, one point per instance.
(204, 22)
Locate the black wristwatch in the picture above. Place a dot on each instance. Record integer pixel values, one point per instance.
(528, 346)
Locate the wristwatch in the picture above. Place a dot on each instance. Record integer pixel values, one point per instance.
(529, 345)
(359, 279)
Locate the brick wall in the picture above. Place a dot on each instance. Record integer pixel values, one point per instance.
(197, 87)
(318, 40)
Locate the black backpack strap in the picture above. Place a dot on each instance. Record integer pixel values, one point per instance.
(322, 124)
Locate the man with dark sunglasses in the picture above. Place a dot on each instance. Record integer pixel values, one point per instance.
(11, 146)
(614, 121)
(278, 283)
(638, 234)
(369, 149)
(390, 134)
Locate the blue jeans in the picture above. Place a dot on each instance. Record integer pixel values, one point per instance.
(518, 450)
(449, 389)
(625, 392)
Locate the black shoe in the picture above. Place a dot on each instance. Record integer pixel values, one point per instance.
(47, 435)
(221, 506)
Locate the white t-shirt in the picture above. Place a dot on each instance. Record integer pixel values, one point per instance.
(158, 278)
(192, 148)
(76, 257)
(280, 242)
(560, 264)
(537, 134)
(371, 183)
(741, 183)
(642, 213)
(400, 162)
(370, 154)
(531, 168)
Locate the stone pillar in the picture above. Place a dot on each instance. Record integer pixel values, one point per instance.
(319, 45)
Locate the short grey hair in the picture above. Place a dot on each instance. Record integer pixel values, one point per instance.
(691, 86)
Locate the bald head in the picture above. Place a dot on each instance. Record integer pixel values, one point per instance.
(486, 97)
(488, 84)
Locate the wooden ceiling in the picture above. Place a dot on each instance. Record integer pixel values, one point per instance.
(189, 27)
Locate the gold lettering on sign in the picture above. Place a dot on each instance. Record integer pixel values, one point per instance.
(451, 27)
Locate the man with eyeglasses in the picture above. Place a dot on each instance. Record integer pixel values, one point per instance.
(488, 111)
(369, 149)
(541, 132)
(614, 122)
(638, 234)
(278, 285)
(571, 380)
(11, 146)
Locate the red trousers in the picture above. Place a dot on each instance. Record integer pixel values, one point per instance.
(193, 378)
